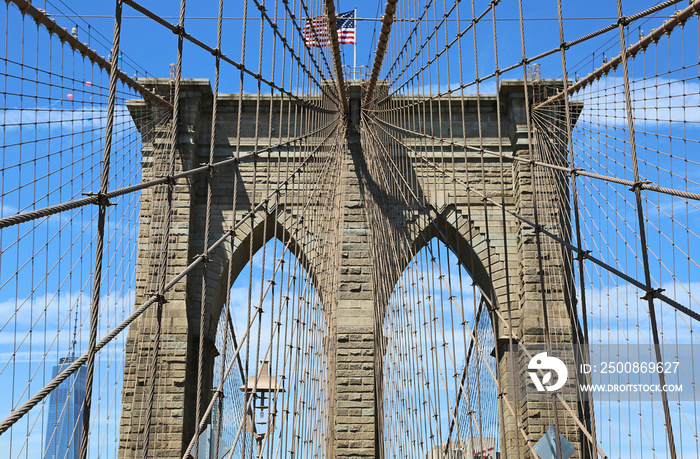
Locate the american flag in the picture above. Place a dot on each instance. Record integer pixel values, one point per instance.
(316, 30)
(346, 28)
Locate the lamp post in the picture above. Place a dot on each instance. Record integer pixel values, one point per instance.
(258, 387)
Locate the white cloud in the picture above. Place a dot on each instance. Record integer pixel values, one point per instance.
(76, 119)
(654, 99)
(618, 314)
(39, 329)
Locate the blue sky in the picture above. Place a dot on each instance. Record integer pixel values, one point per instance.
(541, 34)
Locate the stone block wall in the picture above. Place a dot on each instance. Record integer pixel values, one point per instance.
(460, 217)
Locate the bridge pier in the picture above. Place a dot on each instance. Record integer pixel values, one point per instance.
(544, 318)
(173, 360)
(355, 321)
(356, 415)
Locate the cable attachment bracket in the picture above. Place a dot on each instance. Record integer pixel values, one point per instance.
(102, 198)
(160, 298)
(653, 293)
(574, 171)
(639, 185)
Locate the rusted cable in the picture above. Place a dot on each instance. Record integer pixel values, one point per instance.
(387, 20)
(679, 18)
(337, 62)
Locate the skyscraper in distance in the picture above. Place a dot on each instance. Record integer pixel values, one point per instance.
(65, 419)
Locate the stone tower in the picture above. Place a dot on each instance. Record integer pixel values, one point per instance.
(503, 260)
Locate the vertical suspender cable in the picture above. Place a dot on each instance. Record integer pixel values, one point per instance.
(99, 245)
(642, 230)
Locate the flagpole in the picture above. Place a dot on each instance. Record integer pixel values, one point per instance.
(354, 57)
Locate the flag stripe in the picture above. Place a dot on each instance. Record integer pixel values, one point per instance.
(316, 31)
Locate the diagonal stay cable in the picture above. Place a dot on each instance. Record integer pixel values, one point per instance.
(408, 39)
(436, 55)
(53, 384)
(665, 29)
(302, 36)
(218, 392)
(584, 254)
(569, 170)
(217, 52)
(469, 329)
(42, 18)
(678, 19)
(584, 430)
(94, 199)
(292, 52)
(337, 63)
(387, 20)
